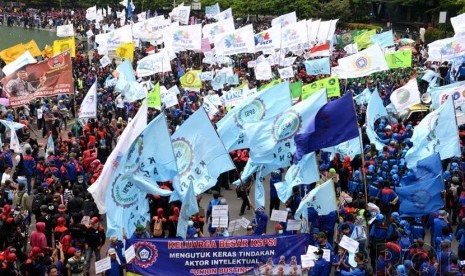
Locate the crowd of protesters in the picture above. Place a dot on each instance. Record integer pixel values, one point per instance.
(48, 188)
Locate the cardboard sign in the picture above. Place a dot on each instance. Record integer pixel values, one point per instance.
(278, 215)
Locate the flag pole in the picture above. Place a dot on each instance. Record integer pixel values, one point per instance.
(362, 157)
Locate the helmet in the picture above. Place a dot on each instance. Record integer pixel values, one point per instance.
(454, 166)
(379, 217)
(371, 168)
(276, 173)
(395, 177)
(357, 174)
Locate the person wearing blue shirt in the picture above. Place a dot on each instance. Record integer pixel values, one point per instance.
(438, 224)
(322, 267)
(341, 261)
(322, 243)
(118, 246)
(116, 268)
(360, 269)
(276, 176)
(140, 233)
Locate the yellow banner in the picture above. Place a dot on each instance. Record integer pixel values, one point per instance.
(47, 52)
(331, 84)
(61, 45)
(126, 51)
(191, 79)
(32, 47)
(12, 53)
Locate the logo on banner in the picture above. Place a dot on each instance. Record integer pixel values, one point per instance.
(451, 48)
(251, 113)
(123, 191)
(184, 155)
(146, 254)
(362, 63)
(347, 38)
(403, 95)
(286, 125)
(56, 62)
(262, 38)
(234, 41)
(420, 199)
(217, 30)
(290, 35)
(432, 123)
(182, 36)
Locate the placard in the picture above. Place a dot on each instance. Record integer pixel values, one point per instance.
(293, 225)
(244, 222)
(234, 225)
(350, 244)
(102, 265)
(278, 215)
(129, 253)
(220, 221)
(327, 254)
(220, 210)
(307, 261)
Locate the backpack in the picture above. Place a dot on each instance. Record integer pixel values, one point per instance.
(36, 203)
(157, 228)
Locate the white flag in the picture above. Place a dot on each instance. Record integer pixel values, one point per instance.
(181, 13)
(22, 60)
(88, 107)
(141, 16)
(237, 42)
(152, 64)
(89, 33)
(286, 73)
(183, 38)
(210, 108)
(284, 20)
(211, 11)
(210, 31)
(130, 133)
(263, 71)
(91, 13)
(105, 61)
(458, 23)
(406, 96)
(224, 15)
(294, 34)
(268, 40)
(115, 38)
(65, 30)
(312, 30)
(14, 142)
(362, 64)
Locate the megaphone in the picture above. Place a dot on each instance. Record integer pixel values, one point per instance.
(426, 98)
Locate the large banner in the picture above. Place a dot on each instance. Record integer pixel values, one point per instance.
(217, 256)
(47, 78)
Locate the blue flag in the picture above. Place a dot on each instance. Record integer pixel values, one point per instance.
(333, 124)
(189, 207)
(385, 39)
(273, 138)
(232, 79)
(219, 81)
(257, 108)
(200, 155)
(50, 145)
(304, 172)
(421, 199)
(129, 9)
(364, 97)
(127, 84)
(427, 168)
(322, 198)
(317, 66)
(437, 132)
(375, 110)
(152, 159)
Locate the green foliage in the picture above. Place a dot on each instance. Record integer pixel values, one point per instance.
(361, 26)
(433, 34)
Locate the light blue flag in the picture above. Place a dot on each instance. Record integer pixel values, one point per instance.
(439, 93)
(317, 66)
(304, 172)
(211, 11)
(232, 79)
(127, 84)
(149, 158)
(273, 138)
(437, 132)
(322, 198)
(200, 155)
(348, 148)
(50, 145)
(364, 97)
(258, 107)
(218, 81)
(189, 207)
(259, 189)
(385, 39)
(375, 110)
(11, 124)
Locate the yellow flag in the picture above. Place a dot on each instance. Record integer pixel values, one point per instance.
(363, 40)
(191, 79)
(126, 50)
(33, 48)
(154, 98)
(12, 53)
(61, 45)
(47, 52)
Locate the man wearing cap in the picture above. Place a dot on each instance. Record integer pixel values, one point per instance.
(322, 267)
(260, 221)
(438, 224)
(76, 264)
(118, 246)
(116, 266)
(21, 86)
(323, 243)
(140, 233)
(95, 239)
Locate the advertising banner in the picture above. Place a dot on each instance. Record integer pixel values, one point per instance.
(218, 256)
